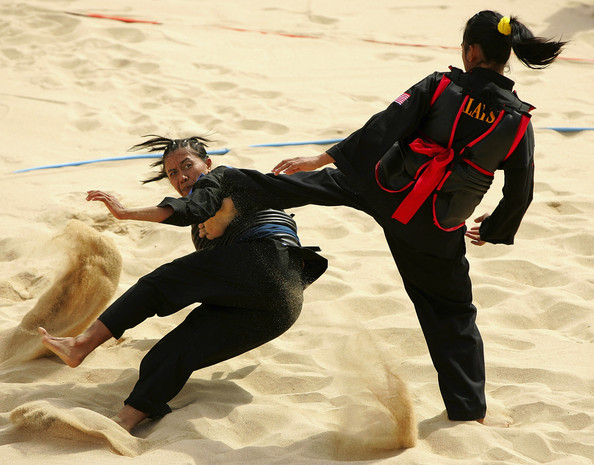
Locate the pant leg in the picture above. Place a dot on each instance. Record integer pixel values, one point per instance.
(209, 335)
(252, 190)
(441, 291)
(227, 276)
(265, 280)
(436, 280)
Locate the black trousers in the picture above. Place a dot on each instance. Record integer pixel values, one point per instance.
(250, 293)
(431, 262)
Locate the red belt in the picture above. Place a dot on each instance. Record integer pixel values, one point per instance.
(427, 181)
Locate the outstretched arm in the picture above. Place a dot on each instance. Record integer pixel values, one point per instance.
(152, 214)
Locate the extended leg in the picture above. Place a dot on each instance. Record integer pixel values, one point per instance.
(252, 190)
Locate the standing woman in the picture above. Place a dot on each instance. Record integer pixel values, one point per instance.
(249, 282)
(420, 168)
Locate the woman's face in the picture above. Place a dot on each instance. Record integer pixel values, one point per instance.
(184, 168)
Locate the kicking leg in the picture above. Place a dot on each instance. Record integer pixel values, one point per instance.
(217, 225)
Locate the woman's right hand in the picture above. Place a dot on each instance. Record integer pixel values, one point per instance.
(110, 201)
(294, 165)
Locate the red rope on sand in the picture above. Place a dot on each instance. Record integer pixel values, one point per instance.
(295, 36)
(405, 44)
(298, 36)
(401, 44)
(115, 18)
(582, 60)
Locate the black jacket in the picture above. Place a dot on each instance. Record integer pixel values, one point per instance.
(485, 116)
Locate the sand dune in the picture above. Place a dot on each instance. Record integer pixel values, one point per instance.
(333, 388)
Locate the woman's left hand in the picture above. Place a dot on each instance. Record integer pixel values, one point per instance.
(474, 232)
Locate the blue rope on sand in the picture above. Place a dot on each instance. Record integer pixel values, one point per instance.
(569, 129)
(223, 151)
(310, 142)
(98, 160)
(157, 155)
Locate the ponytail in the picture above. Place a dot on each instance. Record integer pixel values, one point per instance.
(497, 35)
(534, 52)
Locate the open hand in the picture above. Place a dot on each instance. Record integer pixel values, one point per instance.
(110, 201)
(474, 232)
(294, 165)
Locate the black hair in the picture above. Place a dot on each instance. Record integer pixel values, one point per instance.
(195, 145)
(534, 52)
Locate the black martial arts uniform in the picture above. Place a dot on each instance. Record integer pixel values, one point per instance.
(419, 168)
(249, 282)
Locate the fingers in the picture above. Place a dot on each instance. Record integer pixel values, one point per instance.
(481, 218)
(97, 195)
(291, 166)
(475, 237)
(474, 233)
(91, 195)
(283, 166)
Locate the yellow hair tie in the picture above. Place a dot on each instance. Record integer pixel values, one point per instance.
(504, 26)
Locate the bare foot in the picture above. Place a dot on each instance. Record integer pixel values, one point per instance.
(64, 347)
(73, 350)
(497, 422)
(128, 417)
(217, 225)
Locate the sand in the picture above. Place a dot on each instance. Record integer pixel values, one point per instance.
(333, 388)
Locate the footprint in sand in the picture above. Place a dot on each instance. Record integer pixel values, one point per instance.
(77, 296)
(57, 418)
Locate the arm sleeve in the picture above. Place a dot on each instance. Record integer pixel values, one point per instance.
(398, 121)
(502, 225)
(202, 203)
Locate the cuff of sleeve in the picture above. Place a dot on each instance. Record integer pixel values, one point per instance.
(485, 236)
(179, 210)
(342, 162)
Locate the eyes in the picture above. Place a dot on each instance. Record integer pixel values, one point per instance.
(185, 166)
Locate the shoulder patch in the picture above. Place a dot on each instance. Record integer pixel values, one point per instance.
(403, 98)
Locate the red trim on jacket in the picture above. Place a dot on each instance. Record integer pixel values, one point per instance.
(384, 188)
(519, 134)
(478, 168)
(487, 132)
(445, 81)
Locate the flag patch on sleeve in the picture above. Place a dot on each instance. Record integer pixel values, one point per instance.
(403, 98)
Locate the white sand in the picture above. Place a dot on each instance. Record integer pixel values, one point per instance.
(78, 88)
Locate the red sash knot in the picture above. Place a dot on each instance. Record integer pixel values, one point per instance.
(429, 179)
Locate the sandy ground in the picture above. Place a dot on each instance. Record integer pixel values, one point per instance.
(76, 88)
